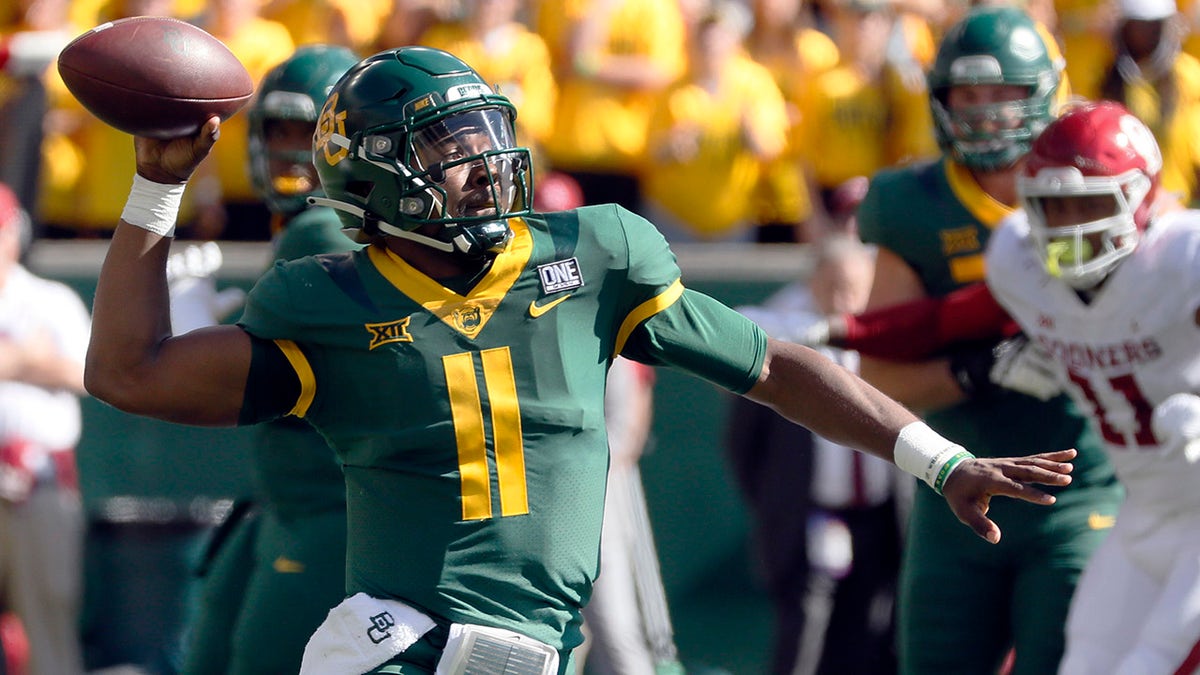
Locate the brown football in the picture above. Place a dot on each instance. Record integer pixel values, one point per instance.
(154, 76)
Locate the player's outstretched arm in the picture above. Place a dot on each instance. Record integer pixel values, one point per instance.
(809, 389)
(133, 362)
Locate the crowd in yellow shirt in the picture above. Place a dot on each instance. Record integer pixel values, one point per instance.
(722, 120)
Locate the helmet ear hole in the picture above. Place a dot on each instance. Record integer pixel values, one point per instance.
(359, 188)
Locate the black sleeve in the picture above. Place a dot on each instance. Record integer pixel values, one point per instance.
(272, 386)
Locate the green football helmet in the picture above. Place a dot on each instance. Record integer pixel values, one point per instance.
(993, 45)
(293, 90)
(403, 134)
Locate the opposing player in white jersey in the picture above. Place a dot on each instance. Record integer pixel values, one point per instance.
(1102, 270)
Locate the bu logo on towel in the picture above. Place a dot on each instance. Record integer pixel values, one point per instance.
(380, 624)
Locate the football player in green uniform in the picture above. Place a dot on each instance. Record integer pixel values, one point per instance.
(277, 564)
(992, 88)
(457, 366)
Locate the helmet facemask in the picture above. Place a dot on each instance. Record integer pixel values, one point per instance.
(1083, 254)
(460, 178)
(281, 159)
(470, 177)
(993, 136)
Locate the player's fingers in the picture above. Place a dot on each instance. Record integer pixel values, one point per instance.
(1023, 491)
(209, 133)
(975, 516)
(1047, 473)
(1055, 456)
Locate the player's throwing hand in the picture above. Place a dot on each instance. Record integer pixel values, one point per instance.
(973, 484)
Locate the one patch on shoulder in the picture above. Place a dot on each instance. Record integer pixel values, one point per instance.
(560, 275)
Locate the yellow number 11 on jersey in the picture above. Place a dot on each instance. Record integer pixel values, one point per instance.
(467, 410)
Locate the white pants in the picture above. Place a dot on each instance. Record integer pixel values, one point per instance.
(1137, 608)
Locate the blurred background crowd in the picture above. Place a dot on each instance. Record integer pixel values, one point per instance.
(764, 107)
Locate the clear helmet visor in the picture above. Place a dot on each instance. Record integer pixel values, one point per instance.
(471, 162)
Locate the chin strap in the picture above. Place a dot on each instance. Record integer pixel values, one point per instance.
(386, 227)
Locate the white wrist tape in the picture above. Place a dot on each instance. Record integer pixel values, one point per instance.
(153, 206)
(925, 454)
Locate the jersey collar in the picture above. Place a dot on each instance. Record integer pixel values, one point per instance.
(469, 313)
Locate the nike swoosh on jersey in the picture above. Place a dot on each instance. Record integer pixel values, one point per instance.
(1098, 521)
(536, 310)
(287, 566)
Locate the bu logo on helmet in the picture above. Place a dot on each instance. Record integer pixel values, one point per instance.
(332, 121)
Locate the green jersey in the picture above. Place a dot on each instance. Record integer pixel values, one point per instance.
(943, 241)
(470, 428)
(294, 469)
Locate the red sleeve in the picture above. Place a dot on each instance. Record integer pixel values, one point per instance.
(922, 328)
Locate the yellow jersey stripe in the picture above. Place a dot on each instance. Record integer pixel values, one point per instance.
(646, 310)
(506, 428)
(308, 381)
(467, 413)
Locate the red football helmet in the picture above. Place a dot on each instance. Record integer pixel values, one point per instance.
(1089, 187)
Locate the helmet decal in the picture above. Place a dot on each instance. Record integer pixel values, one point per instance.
(332, 121)
(1142, 140)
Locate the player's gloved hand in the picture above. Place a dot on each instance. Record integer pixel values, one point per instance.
(799, 326)
(1014, 363)
(1024, 366)
(195, 301)
(1176, 425)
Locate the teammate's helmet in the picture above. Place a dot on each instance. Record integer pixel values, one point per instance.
(293, 90)
(1095, 150)
(993, 45)
(401, 105)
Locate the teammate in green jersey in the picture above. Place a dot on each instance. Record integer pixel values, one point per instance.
(457, 366)
(962, 606)
(277, 564)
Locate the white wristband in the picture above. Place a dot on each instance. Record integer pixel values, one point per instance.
(153, 206)
(925, 454)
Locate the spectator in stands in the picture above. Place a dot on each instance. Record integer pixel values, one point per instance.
(30, 39)
(785, 39)
(84, 158)
(711, 134)
(862, 115)
(228, 206)
(1160, 84)
(407, 20)
(44, 328)
(612, 58)
(354, 24)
